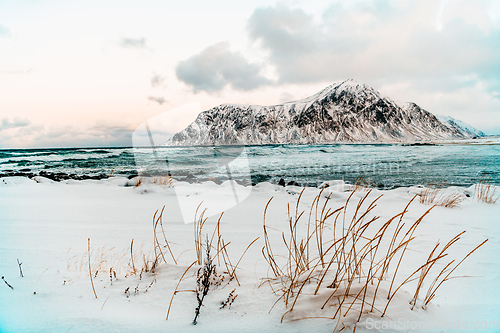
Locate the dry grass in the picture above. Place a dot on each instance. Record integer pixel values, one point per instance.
(451, 200)
(165, 181)
(344, 258)
(363, 184)
(434, 195)
(132, 256)
(104, 258)
(345, 269)
(160, 247)
(207, 276)
(176, 291)
(99, 260)
(199, 221)
(217, 243)
(485, 191)
(438, 281)
(429, 194)
(230, 300)
(90, 270)
(138, 182)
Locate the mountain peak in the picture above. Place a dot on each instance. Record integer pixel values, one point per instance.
(350, 83)
(349, 86)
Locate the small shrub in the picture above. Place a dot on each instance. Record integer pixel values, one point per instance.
(203, 281)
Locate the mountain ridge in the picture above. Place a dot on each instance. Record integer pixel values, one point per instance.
(343, 112)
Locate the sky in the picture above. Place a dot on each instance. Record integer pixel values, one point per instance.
(87, 73)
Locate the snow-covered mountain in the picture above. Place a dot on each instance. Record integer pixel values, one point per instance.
(460, 125)
(343, 112)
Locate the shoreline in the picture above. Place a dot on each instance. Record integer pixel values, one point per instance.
(63, 177)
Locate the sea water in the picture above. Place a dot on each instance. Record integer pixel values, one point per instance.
(384, 165)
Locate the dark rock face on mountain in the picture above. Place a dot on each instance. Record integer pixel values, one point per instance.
(345, 112)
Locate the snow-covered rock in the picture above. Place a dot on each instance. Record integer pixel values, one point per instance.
(342, 112)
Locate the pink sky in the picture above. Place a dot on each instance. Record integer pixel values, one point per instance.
(88, 73)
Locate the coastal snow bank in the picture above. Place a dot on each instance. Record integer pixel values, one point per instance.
(46, 225)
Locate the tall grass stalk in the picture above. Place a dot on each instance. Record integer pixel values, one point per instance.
(90, 271)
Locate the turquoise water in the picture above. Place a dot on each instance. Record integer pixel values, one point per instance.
(386, 165)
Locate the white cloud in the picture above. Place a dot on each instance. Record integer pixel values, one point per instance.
(158, 99)
(377, 41)
(133, 43)
(16, 123)
(217, 67)
(157, 80)
(101, 133)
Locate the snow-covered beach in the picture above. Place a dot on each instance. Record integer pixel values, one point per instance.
(47, 226)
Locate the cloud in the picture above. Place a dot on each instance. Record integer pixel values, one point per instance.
(381, 41)
(102, 133)
(302, 49)
(217, 67)
(16, 123)
(459, 50)
(157, 80)
(160, 99)
(133, 43)
(111, 131)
